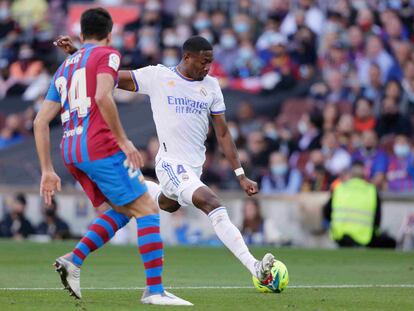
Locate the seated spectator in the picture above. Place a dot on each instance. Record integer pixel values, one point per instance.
(337, 160)
(400, 173)
(365, 21)
(253, 223)
(401, 51)
(279, 69)
(393, 90)
(344, 130)
(257, 230)
(356, 42)
(408, 89)
(375, 160)
(337, 89)
(353, 213)
(15, 225)
(25, 70)
(312, 17)
(246, 64)
(310, 128)
(281, 179)
(391, 120)
(226, 52)
(52, 225)
(374, 89)
(317, 177)
(246, 117)
(258, 149)
(364, 119)
(375, 53)
(305, 52)
(11, 133)
(330, 117)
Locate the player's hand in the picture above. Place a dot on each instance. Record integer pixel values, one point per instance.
(66, 44)
(134, 158)
(249, 186)
(49, 184)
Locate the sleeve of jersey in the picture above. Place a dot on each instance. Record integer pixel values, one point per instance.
(143, 79)
(53, 94)
(218, 107)
(109, 63)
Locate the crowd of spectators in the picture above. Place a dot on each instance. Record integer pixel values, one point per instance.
(15, 225)
(357, 56)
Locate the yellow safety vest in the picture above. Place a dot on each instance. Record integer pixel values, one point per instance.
(353, 211)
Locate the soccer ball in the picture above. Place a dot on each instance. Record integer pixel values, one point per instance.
(277, 282)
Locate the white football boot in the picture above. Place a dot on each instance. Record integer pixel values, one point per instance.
(165, 299)
(69, 275)
(264, 267)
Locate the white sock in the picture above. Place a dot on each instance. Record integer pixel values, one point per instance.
(232, 238)
(154, 190)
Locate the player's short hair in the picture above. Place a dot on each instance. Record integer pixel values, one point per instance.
(197, 44)
(96, 23)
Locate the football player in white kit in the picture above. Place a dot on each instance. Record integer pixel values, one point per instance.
(182, 100)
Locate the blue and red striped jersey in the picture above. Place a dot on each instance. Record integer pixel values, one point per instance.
(86, 136)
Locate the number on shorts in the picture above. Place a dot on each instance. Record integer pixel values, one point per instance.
(180, 169)
(131, 171)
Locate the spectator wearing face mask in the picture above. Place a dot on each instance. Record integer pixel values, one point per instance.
(52, 225)
(170, 57)
(400, 173)
(310, 128)
(243, 26)
(391, 120)
(15, 225)
(227, 51)
(375, 159)
(281, 179)
(337, 160)
(246, 64)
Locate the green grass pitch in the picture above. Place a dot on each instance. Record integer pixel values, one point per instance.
(112, 279)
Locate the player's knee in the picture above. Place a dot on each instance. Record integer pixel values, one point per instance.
(206, 200)
(143, 206)
(169, 207)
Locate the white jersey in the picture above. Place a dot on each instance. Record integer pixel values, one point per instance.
(181, 108)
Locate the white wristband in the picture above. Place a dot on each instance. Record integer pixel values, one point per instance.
(239, 171)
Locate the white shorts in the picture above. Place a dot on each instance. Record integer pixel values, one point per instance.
(178, 181)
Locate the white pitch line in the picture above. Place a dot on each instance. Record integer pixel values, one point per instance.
(217, 287)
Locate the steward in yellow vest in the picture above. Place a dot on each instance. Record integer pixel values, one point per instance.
(354, 213)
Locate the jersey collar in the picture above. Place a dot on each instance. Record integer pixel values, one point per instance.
(177, 71)
(87, 45)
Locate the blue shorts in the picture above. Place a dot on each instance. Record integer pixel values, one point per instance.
(109, 179)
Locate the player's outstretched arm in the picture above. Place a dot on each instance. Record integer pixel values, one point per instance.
(107, 107)
(50, 181)
(229, 149)
(66, 44)
(125, 80)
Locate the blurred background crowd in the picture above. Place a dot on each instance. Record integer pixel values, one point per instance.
(356, 59)
(352, 60)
